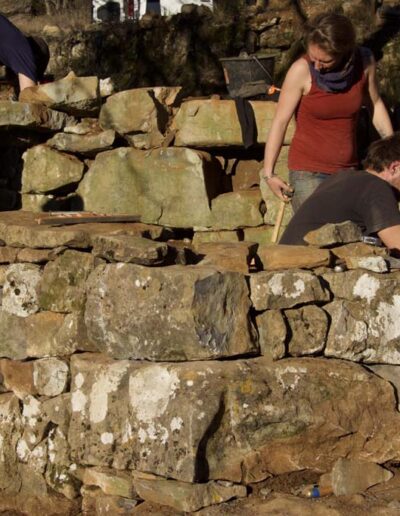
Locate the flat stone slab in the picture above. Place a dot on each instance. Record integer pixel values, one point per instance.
(275, 257)
(32, 116)
(130, 249)
(215, 123)
(168, 313)
(331, 234)
(20, 229)
(87, 145)
(75, 95)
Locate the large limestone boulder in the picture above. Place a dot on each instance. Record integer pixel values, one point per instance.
(215, 123)
(32, 116)
(75, 95)
(171, 187)
(142, 112)
(46, 169)
(170, 313)
(266, 418)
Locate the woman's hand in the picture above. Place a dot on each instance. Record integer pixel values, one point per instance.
(279, 188)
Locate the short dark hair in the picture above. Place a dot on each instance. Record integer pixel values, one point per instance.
(382, 153)
(333, 33)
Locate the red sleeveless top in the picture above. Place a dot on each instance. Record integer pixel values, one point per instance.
(325, 135)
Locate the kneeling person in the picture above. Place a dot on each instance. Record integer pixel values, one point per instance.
(367, 197)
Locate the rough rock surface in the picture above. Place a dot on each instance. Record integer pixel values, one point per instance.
(168, 314)
(214, 123)
(138, 182)
(57, 170)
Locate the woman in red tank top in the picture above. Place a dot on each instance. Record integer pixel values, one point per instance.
(325, 89)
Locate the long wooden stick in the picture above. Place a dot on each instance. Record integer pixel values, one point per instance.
(278, 222)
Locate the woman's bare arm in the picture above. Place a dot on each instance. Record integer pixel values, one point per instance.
(294, 86)
(380, 116)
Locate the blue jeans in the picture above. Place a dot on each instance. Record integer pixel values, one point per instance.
(304, 184)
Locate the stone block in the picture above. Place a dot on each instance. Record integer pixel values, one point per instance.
(142, 110)
(369, 263)
(234, 256)
(358, 249)
(308, 328)
(63, 284)
(32, 116)
(203, 237)
(166, 411)
(87, 145)
(233, 210)
(168, 313)
(21, 290)
(333, 234)
(355, 476)
(75, 95)
(130, 249)
(10, 432)
(40, 335)
(45, 377)
(273, 332)
(275, 290)
(261, 234)
(183, 496)
(56, 170)
(275, 257)
(214, 123)
(171, 187)
(111, 482)
(21, 229)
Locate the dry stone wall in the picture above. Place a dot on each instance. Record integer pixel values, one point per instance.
(181, 359)
(130, 371)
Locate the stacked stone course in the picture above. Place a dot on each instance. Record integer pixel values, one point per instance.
(137, 365)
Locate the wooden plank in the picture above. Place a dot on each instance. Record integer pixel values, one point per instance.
(81, 217)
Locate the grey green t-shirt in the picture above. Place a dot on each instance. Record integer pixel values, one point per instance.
(352, 195)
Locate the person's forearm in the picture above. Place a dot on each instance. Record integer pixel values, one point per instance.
(273, 146)
(381, 119)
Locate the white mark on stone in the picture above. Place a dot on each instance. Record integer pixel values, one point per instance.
(150, 391)
(79, 380)
(78, 401)
(107, 438)
(190, 383)
(142, 435)
(22, 450)
(107, 382)
(201, 416)
(386, 323)
(276, 286)
(176, 424)
(366, 287)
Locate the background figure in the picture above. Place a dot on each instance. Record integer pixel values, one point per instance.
(26, 58)
(326, 88)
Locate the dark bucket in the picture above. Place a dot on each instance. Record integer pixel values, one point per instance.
(239, 71)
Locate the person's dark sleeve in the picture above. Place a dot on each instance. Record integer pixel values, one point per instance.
(15, 50)
(379, 207)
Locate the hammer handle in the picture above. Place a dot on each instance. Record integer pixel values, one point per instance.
(278, 222)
